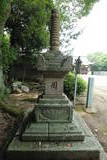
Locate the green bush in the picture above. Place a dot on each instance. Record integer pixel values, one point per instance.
(9, 54)
(69, 85)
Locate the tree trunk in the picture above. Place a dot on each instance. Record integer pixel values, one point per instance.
(5, 8)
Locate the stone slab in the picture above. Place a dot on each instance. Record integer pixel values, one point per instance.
(89, 149)
(54, 62)
(53, 132)
(31, 137)
(53, 86)
(70, 149)
(54, 110)
(53, 113)
(62, 128)
(37, 128)
(36, 132)
(54, 96)
(53, 101)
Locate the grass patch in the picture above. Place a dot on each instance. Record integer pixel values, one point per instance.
(11, 109)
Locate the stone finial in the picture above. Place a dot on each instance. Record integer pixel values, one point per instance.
(54, 31)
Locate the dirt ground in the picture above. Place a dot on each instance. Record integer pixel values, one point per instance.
(98, 121)
(7, 122)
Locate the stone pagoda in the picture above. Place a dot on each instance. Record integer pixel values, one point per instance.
(54, 112)
(56, 132)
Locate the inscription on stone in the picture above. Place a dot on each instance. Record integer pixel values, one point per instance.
(54, 85)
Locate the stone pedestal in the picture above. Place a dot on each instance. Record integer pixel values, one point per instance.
(57, 132)
(53, 122)
(89, 149)
(54, 112)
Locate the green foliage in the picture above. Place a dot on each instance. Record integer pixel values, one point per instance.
(28, 24)
(88, 4)
(99, 61)
(30, 19)
(5, 6)
(9, 54)
(69, 85)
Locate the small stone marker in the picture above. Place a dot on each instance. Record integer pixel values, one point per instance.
(89, 102)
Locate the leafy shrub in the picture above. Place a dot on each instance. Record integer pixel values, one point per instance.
(69, 85)
(9, 54)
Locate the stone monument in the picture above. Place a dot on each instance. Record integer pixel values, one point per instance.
(54, 112)
(57, 132)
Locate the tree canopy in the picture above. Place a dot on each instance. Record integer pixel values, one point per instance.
(28, 26)
(5, 7)
(99, 61)
(29, 23)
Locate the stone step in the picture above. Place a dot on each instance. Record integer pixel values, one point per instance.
(55, 105)
(55, 96)
(53, 101)
(53, 132)
(89, 149)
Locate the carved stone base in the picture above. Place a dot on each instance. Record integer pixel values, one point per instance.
(89, 149)
(53, 122)
(54, 110)
(53, 132)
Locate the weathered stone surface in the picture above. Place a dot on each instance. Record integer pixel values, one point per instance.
(89, 149)
(54, 86)
(36, 132)
(62, 96)
(25, 89)
(54, 114)
(38, 128)
(54, 61)
(19, 88)
(55, 28)
(53, 101)
(54, 110)
(53, 132)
